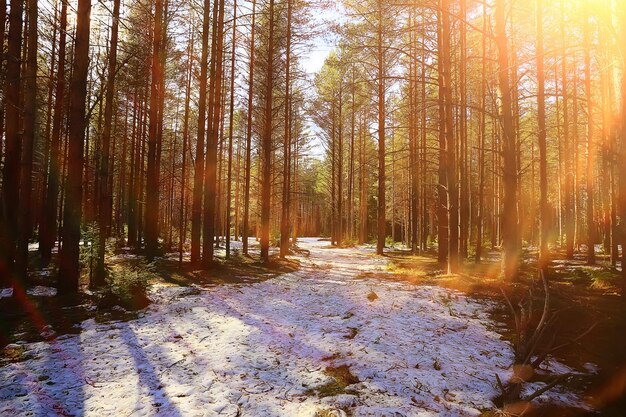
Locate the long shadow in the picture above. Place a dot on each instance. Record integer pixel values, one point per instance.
(52, 385)
(148, 376)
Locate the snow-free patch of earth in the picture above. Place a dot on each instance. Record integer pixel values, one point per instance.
(267, 349)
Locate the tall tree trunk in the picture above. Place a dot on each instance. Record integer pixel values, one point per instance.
(480, 218)
(215, 111)
(511, 254)
(230, 130)
(464, 196)
(183, 188)
(266, 141)
(569, 175)
(622, 151)
(198, 182)
(152, 172)
(451, 167)
(382, 208)
(11, 169)
(591, 224)
(544, 217)
(284, 222)
(69, 267)
(48, 226)
(28, 141)
(106, 197)
(3, 18)
(246, 197)
(442, 194)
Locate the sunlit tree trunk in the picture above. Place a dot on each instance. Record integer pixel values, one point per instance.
(382, 222)
(480, 218)
(196, 210)
(104, 219)
(543, 157)
(511, 254)
(248, 163)
(230, 129)
(155, 119)
(285, 223)
(69, 267)
(591, 224)
(266, 141)
(448, 125)
(215, 110)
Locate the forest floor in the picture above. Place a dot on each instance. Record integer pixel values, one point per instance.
(332, 332)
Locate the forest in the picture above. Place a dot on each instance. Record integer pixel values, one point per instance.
(313, 208)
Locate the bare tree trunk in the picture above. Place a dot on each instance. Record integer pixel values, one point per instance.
(28, 141)
(266, 142)
(230, 130)
(464, 197)
(3, 19)
(215, 110)
(246, 197)
(106, 198)
(11, 169)
(442, 194)
(480, 218)
(451, 168)
(48, 226)
(198, 183)
(622, 153)
(543, 157)
(69, 267)
(382, 208)
(284, 222)
(154, 139)
(591, 224)
(511, 254)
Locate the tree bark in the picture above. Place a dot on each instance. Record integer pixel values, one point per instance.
(541, 139)
(69, 267)
(266, 141)
(152, 172)
(511, 253)
(246, 197)
(106, 198)
(284, 222)
(28, 142)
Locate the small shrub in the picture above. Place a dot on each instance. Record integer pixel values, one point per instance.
(127, 287)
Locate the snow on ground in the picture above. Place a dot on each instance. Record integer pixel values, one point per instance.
(262, 350)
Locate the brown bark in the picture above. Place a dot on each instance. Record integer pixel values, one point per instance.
(69, 268)
(28, 142)
(591, 225)
(151, 212)
(511, 253)
(541, 140)
(380, 78)
(246, 197)
(266, 141)
(284, 222)
(215, 110)
(106, 197)
(230, 130)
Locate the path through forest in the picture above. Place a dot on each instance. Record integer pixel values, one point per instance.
(334, 335)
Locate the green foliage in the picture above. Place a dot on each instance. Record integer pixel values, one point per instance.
(89, 247)
(127, 286)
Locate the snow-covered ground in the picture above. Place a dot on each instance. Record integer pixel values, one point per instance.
(263, 349)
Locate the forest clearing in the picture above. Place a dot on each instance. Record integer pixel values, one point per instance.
(316, 208)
